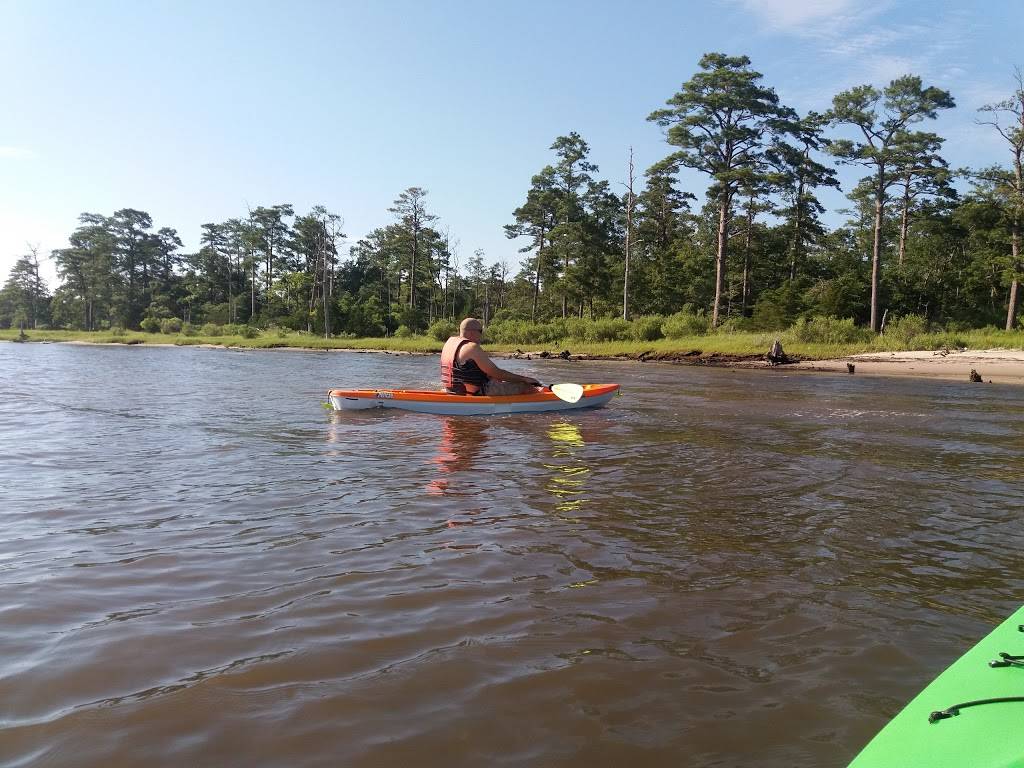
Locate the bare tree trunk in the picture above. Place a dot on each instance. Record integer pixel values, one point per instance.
(1011, 311)
(312, 292)
(876, 250)
(565, 296)
(1018, 177)
(231, 297)
(502, 277)
(270, 267)
(629, 236)
(904, 222)
(412, 270)
(328, 292)
(745, 290)
(536, 279)
(723, 246)
(798, 224)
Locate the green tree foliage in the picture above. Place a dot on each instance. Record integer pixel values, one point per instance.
(414, 237)
(798, 175)
(24, 299)
(574, 225)
(1007, 118)
(885, 143)
(664, 229)
(722, 119)
(536, 219)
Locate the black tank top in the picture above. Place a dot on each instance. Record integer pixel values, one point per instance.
(467, 373)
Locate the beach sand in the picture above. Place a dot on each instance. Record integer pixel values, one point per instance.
(998, 366)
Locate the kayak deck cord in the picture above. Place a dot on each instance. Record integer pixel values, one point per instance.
(953, 711)
(1004, 660)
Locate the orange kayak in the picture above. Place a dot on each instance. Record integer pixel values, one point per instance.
(434, 401)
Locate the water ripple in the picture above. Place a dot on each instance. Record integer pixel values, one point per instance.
(237, 577)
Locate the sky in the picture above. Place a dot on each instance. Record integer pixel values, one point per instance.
(198, 111)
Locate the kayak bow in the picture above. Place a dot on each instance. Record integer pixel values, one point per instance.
(968, 717)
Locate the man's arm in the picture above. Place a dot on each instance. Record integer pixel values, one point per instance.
(475, 353)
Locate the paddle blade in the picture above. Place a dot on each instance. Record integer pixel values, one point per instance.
(571, 393)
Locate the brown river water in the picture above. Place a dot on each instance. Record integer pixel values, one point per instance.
(200, 566)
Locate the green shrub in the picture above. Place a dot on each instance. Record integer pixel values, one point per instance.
(413, 319)
(958, 326)
(150, 324)
(683, 324)
(522, 332)
(777, 309)
(403, 332)
(212, 329)
(241, 329)
(945, 340)
(902, 330)
(574, 328)
(825, 329)
(440, 330)
(170, 325)
(647, 328)
(117, 330)
(613, 329)
(732, 325)
(188, 329)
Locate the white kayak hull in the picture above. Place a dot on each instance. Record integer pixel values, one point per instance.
(442, 403)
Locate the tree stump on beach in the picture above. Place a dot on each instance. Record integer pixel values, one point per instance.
(776, 356)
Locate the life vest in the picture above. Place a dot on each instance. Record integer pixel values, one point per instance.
(455, 375)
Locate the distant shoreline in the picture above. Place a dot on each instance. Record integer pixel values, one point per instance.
(998, 366)
(994, 366)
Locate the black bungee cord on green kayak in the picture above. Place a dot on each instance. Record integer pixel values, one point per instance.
(1004, 660)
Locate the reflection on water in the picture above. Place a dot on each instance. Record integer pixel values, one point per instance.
(568, 472)
(721, 568)
(461, 442)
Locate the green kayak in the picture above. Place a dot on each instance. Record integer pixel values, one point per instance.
(969, 717)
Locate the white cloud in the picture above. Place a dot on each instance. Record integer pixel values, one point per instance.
(810, 18)
(15, 153)
(882, 69)
(871, 43)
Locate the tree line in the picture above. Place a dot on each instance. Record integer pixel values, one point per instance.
(755, 254)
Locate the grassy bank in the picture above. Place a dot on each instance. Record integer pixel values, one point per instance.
(733, 344)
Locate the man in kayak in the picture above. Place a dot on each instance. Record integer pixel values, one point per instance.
(467, 370)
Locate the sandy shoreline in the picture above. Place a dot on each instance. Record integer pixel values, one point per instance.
(997, 366)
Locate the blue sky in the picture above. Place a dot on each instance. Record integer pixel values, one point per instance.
(194, 111)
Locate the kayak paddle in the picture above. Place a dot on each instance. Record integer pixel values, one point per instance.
(571, 393)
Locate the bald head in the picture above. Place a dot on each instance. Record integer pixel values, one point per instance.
(470, 324)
